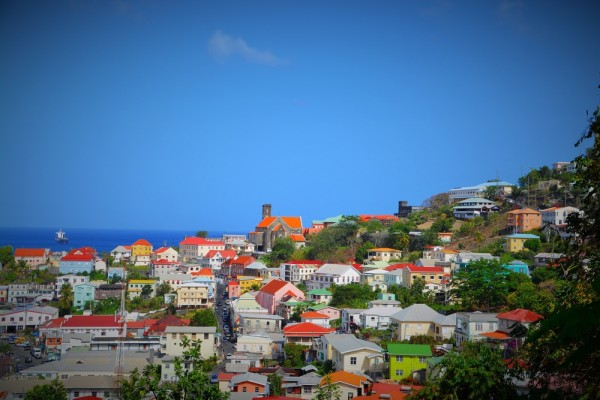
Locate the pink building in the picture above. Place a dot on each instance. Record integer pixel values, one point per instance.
(233, 289)
(272, 292)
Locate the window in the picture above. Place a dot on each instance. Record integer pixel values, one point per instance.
(256, 389)
(206, 336)
(307, 390)
(244, 389)
(399, 372)
(400, 358)
(478, 327)
(76, 394)
(352, 360)
(422, 359)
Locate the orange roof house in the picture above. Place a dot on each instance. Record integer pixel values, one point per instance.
(304, 332)
(351, 385)
(32, 257)
(270, 294)
(271, 228)
(523, 220)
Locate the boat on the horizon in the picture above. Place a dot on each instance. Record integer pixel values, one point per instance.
(61, 237)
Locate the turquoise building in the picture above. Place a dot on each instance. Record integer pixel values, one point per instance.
(82, 294)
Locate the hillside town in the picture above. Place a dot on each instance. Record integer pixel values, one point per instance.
(370, 306)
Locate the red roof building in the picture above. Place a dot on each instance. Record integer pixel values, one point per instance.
(196, 247)
(32, 257)
(270, 294)
(304, 332)
(520, 315)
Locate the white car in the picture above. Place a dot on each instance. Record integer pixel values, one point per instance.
(229, 356)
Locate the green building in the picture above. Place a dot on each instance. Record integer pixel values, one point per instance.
(407, 358)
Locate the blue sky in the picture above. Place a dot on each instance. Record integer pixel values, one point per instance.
(191, 115)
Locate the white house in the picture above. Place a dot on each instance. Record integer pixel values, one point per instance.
(377, 317)
(557, 215)
(71, 279)
(298, 271)
(340, 274)
(120, 253)
(195, 248)
(165, 253)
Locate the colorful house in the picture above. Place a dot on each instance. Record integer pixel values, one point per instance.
(351, 385)
(523, 220)
(141, 251)
(195, 247)
(77, 261)
(407, 358)
(233, 289)
(272, 292)
(135, 287)
(518, 267)
(320, 296)
(515, 243)
(82, 294)
(249, 382)
(33, 257)
(304, 333)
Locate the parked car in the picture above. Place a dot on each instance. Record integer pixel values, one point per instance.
(28, 359)
(214, 378)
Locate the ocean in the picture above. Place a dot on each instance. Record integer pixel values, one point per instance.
(102, 240)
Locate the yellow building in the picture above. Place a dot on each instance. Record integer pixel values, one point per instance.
(135, 287)
(141, 248)
(516, 242)
(247, 282)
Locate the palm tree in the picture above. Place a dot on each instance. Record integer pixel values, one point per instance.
(66, 298)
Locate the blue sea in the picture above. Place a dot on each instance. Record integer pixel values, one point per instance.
(102, 240)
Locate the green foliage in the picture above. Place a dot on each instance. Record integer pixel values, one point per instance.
(442, 223)
(106, 306)
(146, 291)
(163, 288)
(353, 295)
(202, 234)
(282, 251)
(6, 256)
(336, 243)
(532, 244)
(565, 344)
(203, 317)
(65, 303)
(275, 385)
(192, 380)
(363, 251)
(54, 390)
(476, 372)
(294, 355)
(541, 274)
(97, 276)
(481, 285)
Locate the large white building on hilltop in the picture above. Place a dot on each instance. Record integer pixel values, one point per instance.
(466, 192)
(340, 274)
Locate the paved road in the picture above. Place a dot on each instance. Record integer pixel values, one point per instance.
(19, 356)
(226, 346)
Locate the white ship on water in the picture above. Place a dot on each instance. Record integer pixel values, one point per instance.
(61, 237)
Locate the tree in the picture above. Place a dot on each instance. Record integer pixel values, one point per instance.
(476, 372)
(328, 390)
(275, 385)
(65, 303)
(481, 285)
(54, 390)
(146, 291)
(532, 244)
(565, 347)
(6, 256)
(163, 288)
(294, 354)
(202, 234)
(204, 317)
(352, 295)
(363, 251)
(191, 379)
(283, 248)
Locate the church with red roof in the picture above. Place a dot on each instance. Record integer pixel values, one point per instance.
(271, 228)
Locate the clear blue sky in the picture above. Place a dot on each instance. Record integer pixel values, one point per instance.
(191, 115)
